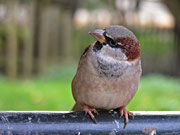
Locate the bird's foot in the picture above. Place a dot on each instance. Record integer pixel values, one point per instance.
(124, 112)
(89, 110)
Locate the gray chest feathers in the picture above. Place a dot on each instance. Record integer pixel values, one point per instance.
(110, 70)
(111, 63)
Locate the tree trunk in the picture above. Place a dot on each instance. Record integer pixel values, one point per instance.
(28, 43)
(174, 7)
(37, 24)
(11, 39)
(66, 35)
(54, 35)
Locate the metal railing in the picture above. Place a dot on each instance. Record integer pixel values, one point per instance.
(76, 123)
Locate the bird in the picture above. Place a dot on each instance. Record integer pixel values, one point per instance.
(108, 73)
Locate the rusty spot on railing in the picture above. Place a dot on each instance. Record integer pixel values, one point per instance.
(150, 131)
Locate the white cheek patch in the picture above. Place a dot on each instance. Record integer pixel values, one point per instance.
(112, 54)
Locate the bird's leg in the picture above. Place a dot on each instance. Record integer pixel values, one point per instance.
(124, 112)
(89, 110)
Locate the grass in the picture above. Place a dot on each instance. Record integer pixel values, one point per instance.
(36, 95)
(157, 92)
(53, 92)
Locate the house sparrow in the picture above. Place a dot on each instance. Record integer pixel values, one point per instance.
(108, 73)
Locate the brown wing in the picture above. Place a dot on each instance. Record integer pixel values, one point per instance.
(77, 106)
(85, 51)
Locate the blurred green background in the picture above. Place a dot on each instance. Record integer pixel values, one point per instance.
(41, 42)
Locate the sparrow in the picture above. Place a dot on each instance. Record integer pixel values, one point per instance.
(108, 73)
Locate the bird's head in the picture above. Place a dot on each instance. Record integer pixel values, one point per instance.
(118, 37)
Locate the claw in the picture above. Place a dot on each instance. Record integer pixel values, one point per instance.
(89, 111)
(124, 112)
(94, 110)
(131, 114)
(121, 113)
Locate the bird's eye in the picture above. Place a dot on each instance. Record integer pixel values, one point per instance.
(112, 42)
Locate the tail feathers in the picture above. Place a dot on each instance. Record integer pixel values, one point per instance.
(77, 107)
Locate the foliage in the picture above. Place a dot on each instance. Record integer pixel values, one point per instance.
(156, 43)
(93, 4)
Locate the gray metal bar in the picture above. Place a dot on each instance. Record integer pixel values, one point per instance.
(76, 123)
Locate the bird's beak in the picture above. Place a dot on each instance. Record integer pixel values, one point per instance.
(98, 34)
